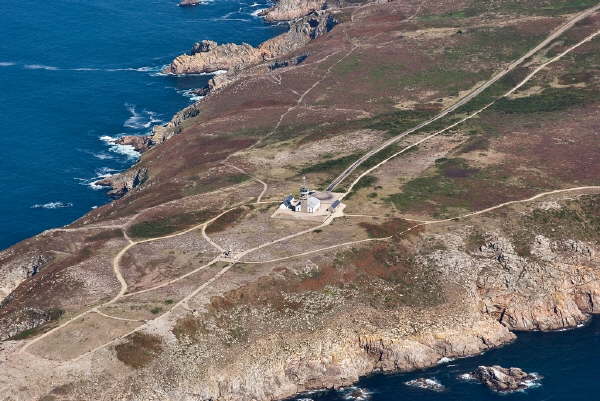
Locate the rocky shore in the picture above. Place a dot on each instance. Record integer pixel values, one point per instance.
(236, 61)
(208, 56)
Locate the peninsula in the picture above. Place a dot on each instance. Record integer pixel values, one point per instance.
(384, 185)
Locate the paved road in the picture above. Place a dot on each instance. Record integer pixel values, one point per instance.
(467, 98)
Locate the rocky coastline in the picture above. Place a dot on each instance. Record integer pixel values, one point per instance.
(208, 57)
(236, 61)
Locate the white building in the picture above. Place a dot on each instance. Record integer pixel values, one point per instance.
(306, 203)
(313, 204)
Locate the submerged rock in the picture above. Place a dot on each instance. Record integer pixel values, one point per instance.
(504, 379)
(189, 3)
(426, 384)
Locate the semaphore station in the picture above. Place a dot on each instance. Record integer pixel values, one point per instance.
(310, 205)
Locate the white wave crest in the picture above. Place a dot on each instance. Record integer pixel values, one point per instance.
(102, 156)
(534, 382)
(466, 377)
(125, 150)
(145, 119)
(355, 393)
(40, 67)
(426, 384)
(189, 93)
(445, 360)
(257, 11)
(52, 205)
(6, 63)
(100, 173)
(138, 69)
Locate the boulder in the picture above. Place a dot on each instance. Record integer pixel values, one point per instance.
(502, 379)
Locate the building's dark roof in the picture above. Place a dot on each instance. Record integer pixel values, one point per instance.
(335, 204)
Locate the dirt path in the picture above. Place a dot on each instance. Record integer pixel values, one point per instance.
(467, 98)
(429, 222)
(264, 184)
(474, 114)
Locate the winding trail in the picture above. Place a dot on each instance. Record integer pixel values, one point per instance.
(427, 222)
(468, 97)
(264, 184)
(474, 114)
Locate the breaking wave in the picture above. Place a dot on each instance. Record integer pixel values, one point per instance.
(426, 384)
(355, 393)
(145, 119)
(40, 67)
(125, 150)
(100, 173)
(256, 12)
(6, 63)
(189, 93)
(52, 205)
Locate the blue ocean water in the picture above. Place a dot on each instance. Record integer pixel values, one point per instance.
(74, 71)
(567, 360)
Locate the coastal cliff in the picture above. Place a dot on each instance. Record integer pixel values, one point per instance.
(207, 56)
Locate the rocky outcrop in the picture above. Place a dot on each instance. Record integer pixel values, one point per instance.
(285, 10)
(557, 287)
(122, 183)
(138, 142)
(161, 133)
(26, 319)
(207, 56)
(504, 380)
(279, 366)
(17, 268)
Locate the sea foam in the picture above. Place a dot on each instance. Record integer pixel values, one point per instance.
(145, 119)
(426, 384)
(355, 393)
(40, 67)
(125, 150)
(258, 11)
(52, 205)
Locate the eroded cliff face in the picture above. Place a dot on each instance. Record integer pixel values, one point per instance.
(285, 10)
(18, 266)
(207, 56)
(122, 183)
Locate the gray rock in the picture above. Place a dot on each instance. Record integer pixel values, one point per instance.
(502, 379)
